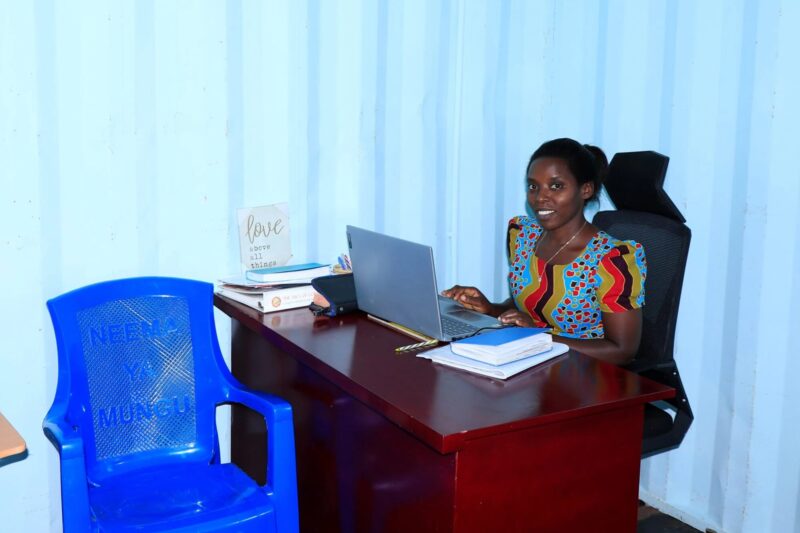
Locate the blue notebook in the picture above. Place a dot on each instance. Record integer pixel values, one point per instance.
(501, 346)
(288, 273)
(497, 337)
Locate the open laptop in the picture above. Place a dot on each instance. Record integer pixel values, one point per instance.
(395, 280)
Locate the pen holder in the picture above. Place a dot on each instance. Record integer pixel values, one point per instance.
(340, 293)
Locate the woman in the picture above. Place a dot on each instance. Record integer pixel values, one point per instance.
(565, 273)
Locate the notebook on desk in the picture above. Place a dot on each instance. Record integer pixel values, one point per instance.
(395, 280)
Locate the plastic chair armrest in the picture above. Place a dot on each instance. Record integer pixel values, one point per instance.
(281, 471)
(74, 488)
(64, 436)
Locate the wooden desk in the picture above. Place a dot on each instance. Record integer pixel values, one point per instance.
(11, 444)
(389, 442)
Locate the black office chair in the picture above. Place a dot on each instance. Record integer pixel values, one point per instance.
(646, 214)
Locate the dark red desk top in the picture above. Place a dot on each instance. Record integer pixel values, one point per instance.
(443, 407)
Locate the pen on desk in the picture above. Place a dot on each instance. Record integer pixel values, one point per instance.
(416, 346)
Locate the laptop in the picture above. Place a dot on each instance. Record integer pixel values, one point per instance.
(395, 280)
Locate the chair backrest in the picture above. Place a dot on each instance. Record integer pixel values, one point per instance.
(139, 371)
(666, 246)
(646, 214)
(635, 182)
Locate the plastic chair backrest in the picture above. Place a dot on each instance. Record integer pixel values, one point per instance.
(129, 366)
(666, 246)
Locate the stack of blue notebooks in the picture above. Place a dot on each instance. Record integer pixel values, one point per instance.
(499, 353)
(506, 345)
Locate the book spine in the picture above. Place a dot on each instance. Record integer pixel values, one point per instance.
(289, 298)
(288, 276)
(273, 300)
(250, 300)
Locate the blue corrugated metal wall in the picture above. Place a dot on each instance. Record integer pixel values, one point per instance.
(131, 131)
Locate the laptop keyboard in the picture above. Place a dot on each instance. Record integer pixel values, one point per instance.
(455, 328)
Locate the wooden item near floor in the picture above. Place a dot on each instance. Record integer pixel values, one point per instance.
(11, 444)
(392, 442)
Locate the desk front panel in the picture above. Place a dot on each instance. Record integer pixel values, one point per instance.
(356, 470)
(443, 407)
(390, 442)
(573, 475)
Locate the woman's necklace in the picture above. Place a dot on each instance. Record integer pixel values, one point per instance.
(547, 261)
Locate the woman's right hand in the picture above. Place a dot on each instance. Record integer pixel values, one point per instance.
(471, 298)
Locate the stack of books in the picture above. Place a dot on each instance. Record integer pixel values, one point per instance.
(274, 289)
(499, 353)
(290, 274)
(506, 345)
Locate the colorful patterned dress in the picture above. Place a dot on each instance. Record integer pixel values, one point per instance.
(607, 277)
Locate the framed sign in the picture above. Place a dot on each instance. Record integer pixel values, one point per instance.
(264, 236)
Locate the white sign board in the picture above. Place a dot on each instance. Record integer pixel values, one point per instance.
(264, 236)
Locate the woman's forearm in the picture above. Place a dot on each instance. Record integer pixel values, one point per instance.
(604, 349)
(499, 308)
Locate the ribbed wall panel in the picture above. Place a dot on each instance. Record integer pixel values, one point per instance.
(131, 131)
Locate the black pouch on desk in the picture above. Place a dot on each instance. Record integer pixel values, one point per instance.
(339, 290)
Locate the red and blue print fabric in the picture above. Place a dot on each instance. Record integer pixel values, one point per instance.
(607, 277)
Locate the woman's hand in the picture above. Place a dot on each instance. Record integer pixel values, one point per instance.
(517, 318)
(471, 298)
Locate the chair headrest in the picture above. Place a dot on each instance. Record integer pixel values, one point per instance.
(636, 182)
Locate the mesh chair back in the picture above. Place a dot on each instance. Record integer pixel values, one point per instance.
(128, 348)
(666, 247)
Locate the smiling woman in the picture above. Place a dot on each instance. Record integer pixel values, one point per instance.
(564, 273)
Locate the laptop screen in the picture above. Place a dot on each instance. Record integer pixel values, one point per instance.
(395, 280)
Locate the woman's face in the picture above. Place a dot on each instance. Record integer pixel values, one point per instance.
(554, 194)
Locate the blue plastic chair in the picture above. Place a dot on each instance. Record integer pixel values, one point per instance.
(140, 374)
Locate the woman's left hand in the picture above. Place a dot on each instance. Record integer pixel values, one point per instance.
(517, 318)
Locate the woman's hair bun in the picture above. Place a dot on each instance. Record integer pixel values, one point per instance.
(600, 162)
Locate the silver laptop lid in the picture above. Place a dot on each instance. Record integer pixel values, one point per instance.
(395, 280)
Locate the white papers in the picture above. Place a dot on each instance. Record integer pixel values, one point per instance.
(268, 300)
(242, 284)
(445, 356)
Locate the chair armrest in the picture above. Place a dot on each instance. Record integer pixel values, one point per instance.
(639, 366)
(666, 374)
(64, 436)
(281, 471)
(74, 487)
